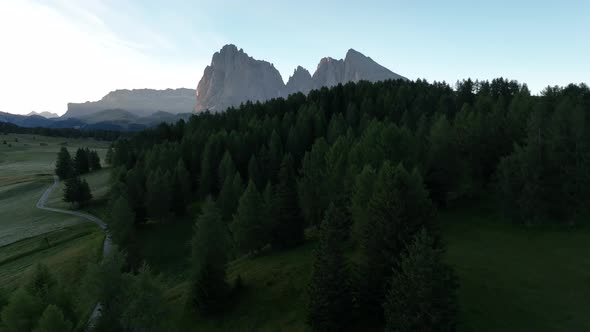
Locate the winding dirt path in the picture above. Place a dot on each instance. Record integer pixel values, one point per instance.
(106, 247)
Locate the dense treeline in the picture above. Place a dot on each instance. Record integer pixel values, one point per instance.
(106, 135)
(69, 169)
(367, 164)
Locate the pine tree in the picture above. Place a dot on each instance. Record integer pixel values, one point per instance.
(248, 226)
(254, 172)
(77, 191)
(121, 221)
(64, 166)
(227, 168)
(52, 320)
(330, 300)
(362, 193)
(22, 312)
(229, 196)
(181, 189)
(159, 195)
(288, 224)
(313, 186)
(84, 194)
(422, 291)
(209, 287)
(81, 161)
(94, 161)
(398, 209)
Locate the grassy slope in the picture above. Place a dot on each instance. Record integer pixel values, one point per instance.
(512, 278)
(29, 235)
(515, 278)
(66, 252)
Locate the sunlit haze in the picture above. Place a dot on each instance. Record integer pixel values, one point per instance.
(55, 52)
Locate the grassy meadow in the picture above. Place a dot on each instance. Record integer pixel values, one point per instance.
(512, 278)
(29, 235)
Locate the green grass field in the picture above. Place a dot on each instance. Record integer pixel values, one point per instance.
(29, 235)
(512, 278)
(516, 278)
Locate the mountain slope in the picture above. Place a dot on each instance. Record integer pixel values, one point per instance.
(140, 102)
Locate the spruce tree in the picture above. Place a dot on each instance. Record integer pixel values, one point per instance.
(229, 196)
(64, 166)
(254, 172)
(313, 186)
(209, 286)
(227, 168)
(248, 225)
(53, 320)
(121, 221)
(398, 209)
(77, 191)
(288, 224)
(422, 290)
(81, 161)
(181, 189)
(94, 161)
(22, 312)
(159, 195)
(330, 300)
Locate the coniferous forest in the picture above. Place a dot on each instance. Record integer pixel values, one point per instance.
(366, 166)
(361, 171)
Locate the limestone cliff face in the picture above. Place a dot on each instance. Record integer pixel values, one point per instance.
(234, 77)
(329, 72)
(301, 81)
(140, 102)
(358, 67)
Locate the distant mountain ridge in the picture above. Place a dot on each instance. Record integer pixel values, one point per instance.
(140, 102)
(233, 77)
(47, 115)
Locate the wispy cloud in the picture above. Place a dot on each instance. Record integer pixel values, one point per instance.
(54, 52)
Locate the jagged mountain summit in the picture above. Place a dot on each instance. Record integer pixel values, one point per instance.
(234, 77)
(140, 102)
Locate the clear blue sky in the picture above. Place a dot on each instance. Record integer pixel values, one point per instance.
(80, 50)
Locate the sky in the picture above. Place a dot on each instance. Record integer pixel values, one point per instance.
(57, 51)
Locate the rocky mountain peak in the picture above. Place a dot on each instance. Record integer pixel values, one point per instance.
(300, 81)
(234, 77)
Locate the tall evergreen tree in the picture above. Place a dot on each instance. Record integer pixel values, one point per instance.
(209, 287)
(159, 195)
(22, 312)
(94, 161)
(81, 161)
(77, 191)
(121, 221)
(330, 299)
(422, 292)
(288, 225)
(229, 196)
(254, 172)
(313, 186)
(64, 167)
(399, 208)
(227, 168)
(181, 189)
(248, 226)
(53, 320)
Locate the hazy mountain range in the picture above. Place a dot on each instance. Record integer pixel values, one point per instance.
(232, 78)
